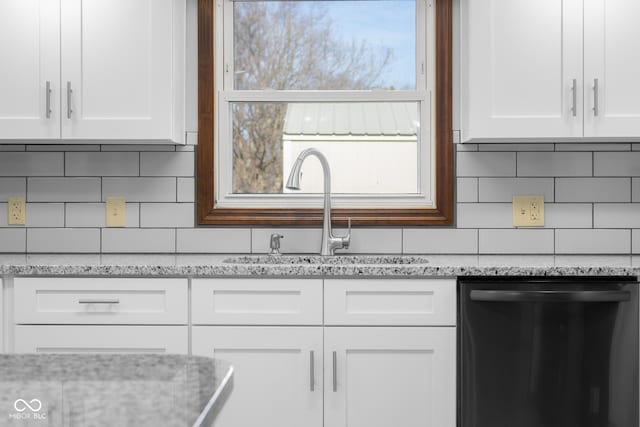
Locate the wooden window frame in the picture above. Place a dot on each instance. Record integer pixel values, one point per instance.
(209, 214)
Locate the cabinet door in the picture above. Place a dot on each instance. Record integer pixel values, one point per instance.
(30, 52)
(612, 42)
(519, 61)
(277, 379)
(381, 377)
(117, 62)
(101, 339)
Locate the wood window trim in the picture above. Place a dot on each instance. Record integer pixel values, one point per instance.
(209, 214)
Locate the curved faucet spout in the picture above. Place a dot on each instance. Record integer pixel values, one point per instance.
(329, 242)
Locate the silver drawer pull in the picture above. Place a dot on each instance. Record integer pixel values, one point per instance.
(98, 301)
(48, 99)
(312, 382)
(335, 371)
(69, 92)
(596, 91)
(574, 97)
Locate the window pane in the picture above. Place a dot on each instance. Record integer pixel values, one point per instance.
(372, 148)
(324, 45)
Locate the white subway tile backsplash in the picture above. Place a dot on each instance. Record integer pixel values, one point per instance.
(593, 189)
(163, 215)
(479, 164)
(568, 215)
(63, 189)
(128, 240)
(45, 215)
(31, 164)
(518, 241)
(93, 215)
(616, 215)
(485, 215)
(167, 164)
(439, 241)
(140, 189)
(63, 240)
(222, 240)
(12, 187)
(467, 190)
(635, 189)
(503, 189)
(102, 164)
(295, 240)
(12, 147)
(13, 240)
(466, 147)
(186, 189)
(372, 240)
(555, 164)
(635, 241)
(617, 164)
(593, 241)
(137, 147)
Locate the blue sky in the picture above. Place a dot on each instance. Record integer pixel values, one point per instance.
(387, 23)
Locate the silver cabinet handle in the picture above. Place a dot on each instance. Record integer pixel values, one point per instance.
(574, 97)
(98, 301)
(69, 92)
(312, 374)
(335, 371)
(595, 97)
(48, 98)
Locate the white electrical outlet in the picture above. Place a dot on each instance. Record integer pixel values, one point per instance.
(17, 210)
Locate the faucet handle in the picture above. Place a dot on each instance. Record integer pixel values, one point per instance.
(346, 240)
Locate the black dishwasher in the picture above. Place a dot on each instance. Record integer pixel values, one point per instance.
(548, 353)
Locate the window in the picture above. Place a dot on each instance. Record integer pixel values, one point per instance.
(367, 82)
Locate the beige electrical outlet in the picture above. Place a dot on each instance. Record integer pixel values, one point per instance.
(116, 212)
(528, 211)
(17, 211)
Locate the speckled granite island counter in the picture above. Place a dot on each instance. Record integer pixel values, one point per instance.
(192, 266)
(111, 390)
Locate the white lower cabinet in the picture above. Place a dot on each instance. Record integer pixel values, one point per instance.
(381, 377)
(383, 354)
(277, 373)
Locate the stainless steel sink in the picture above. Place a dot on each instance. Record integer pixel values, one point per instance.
(327, 260)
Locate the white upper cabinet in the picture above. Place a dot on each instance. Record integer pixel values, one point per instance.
(612, 68)
(528, 70)
(29, 65)
(115, 67)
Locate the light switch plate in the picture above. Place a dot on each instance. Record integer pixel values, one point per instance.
(528, 211)
(17, 211)
(116, 212)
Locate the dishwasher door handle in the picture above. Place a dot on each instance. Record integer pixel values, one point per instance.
(550, 296)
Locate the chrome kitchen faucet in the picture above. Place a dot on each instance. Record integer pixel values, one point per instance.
(329, 242)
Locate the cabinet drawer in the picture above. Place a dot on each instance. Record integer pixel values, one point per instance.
(100, 301)
(101, 339)
(390, 302)
(257, 302)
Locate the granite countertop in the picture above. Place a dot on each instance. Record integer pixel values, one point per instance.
(111, 390)
(209, 265)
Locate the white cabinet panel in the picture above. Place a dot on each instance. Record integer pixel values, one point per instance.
(390, 302)
(273, 371)
(117, 58)
(612, 42)
(64, 300)
(30, 52)
(390, 377)
(101, 339)
(519, 61)
(257, 301)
